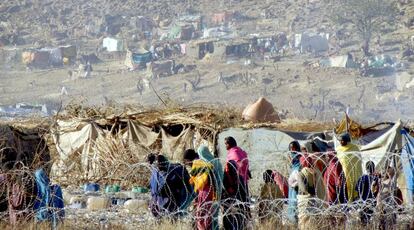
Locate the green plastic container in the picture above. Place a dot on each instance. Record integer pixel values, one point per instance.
(137, 189)
(112, 188)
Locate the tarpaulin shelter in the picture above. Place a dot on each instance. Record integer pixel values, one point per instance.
(36, 58)
(198, 49)
(137, 60)
(55, 56)
(344, 61)
(79, 142)
(313, 43)
(187, 32)
(112, 44)
(237, 48)
(75, 144)
(69, 52)
(195, 20)
(174, 32)
(221, 17)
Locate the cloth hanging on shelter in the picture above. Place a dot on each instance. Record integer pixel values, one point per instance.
(174, 146)
(75, 143)
(140, 136)
(348, 125)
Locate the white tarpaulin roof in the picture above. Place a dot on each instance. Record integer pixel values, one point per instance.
(112, 44)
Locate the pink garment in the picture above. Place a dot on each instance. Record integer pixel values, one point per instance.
(282, 182)
(238, 155)
(204, 208)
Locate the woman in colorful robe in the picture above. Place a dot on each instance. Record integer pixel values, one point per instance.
(205, 177)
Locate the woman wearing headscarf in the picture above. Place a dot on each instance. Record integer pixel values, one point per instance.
(334, 180)
(234, 199)
(238, 155)
(203, 180)
(294, 179)
(216, 180)
(312, 178)
(281, 182)
(49, 201)
(170, 188)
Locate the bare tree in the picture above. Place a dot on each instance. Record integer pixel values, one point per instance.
(367, 16)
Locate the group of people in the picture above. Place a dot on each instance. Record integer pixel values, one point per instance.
(337, 178)
(208, 185)
(334, 177)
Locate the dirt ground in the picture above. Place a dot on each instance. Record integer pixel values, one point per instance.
(297, 90)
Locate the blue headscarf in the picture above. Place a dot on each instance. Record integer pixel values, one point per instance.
(43, 195)
(49, 200)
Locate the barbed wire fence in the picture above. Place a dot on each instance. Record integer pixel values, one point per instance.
(385, 210)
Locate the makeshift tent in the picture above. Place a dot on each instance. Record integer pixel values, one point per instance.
(260, 111)
(380, 149)
(314, 43)
(138, 59)
(187, 32)
(36, 58)
(69, 52)
(75, 144)
(80, 144)
(55, 56)
(195, 20)
(112, 44)
(221, 17)
(175, 32)
(199, 49)
(237, 49)
(343, 61)
(407, 161)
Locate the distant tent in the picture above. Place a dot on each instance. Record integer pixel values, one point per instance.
(260, 111)
(314, 43)
(112, 44)
(55, 56)
(36, 58)
(69, 52)
(343, 61)
(187, 32)
(221, 17)
(175, 32)
(137, 60)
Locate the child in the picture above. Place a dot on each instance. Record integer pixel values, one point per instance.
(270, 200)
